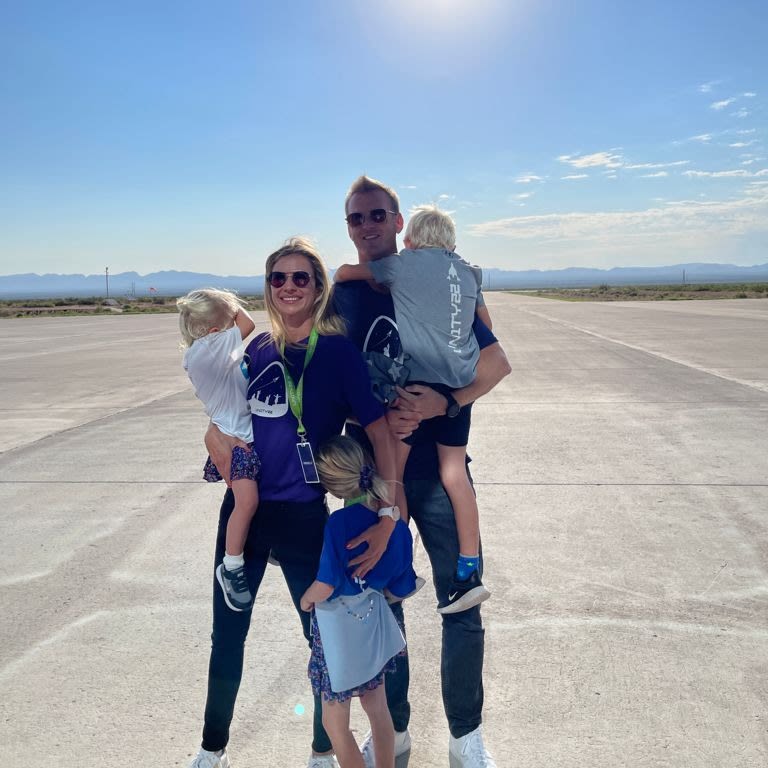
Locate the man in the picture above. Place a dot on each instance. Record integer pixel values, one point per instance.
(373, 223)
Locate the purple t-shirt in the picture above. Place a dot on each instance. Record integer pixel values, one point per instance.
(336, 385)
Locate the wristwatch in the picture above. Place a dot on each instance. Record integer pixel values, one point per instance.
(393, 512)
(452, 408)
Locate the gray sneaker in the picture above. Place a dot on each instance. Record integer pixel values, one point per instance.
(402, 750)
(234, 586)
(206, 759)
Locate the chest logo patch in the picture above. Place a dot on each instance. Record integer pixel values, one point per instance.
(266, 393)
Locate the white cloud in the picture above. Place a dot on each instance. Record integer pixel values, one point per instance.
(749, 95)
(702, 137)
(718, 105)
(597, 159)
(741, 144)
(527, 178)
(576, 176)
(523, 195)
(746, 131)
(658, 165)
(682, 219)
(707, 87)
(739, 172)
(741, 113)
(658, 175)
(408, 186)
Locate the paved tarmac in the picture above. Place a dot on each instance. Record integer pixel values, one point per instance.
(622, 477)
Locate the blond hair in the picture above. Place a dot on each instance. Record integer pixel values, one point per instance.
(367, 184)
(206, 308)
(343, 466)
(327, 322)
(429, 227)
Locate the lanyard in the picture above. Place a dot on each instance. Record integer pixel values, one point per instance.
(295, 392)
(356, 500)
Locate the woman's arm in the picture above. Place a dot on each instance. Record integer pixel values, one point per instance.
(219, 448)
(316, 593)
(377, 536)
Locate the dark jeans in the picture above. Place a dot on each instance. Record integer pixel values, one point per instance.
(463, 646)
(294, 533)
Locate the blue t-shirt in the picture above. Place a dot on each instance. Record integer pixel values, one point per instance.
(370, 319)
(336, 384)
(394, 569)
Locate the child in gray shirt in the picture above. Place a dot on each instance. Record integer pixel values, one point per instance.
(436, 294)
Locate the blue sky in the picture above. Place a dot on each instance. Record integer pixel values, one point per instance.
(198, 136)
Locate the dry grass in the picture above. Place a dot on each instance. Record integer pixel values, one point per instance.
(655, 292)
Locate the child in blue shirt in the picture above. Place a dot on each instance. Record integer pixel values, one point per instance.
(347, 472)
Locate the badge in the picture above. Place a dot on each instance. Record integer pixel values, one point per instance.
(307, 460)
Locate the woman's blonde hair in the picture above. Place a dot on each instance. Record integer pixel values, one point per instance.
(347, 471)
(327, 322)
(207, 308)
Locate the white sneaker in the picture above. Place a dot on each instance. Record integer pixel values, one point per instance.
(206, 759)
(469, 751)
(322, 761)
(402, 750)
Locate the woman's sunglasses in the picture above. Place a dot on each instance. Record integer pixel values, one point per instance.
(377, 215)
(277, 279)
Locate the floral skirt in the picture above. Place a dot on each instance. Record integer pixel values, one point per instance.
(245, 466)
(318, 671)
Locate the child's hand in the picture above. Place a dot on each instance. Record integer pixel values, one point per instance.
(306, 605)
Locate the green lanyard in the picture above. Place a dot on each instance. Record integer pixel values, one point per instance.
(357, 500)
(295, 392)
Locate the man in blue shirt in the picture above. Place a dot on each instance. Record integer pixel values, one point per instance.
(373, 222)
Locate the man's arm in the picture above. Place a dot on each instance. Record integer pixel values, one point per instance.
(347, 272)
(424, 402)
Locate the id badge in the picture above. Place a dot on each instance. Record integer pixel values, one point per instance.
(307, 460)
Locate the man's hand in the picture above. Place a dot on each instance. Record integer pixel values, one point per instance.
(377, 538)
(219, 448)
(422, 400)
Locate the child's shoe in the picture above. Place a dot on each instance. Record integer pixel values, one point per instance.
(393, 598)
(234, 586)
(464, 594)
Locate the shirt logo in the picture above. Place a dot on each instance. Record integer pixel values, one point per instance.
(383, 337)
(266, 393)
(455, 297)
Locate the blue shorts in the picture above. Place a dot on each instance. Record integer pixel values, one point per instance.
(245, 466)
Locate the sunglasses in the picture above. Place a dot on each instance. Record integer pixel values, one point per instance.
(300, 279)
(377, 216)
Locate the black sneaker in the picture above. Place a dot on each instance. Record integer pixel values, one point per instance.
(234, 586)
(464, 594)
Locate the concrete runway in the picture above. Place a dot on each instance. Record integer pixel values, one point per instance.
(622, 476)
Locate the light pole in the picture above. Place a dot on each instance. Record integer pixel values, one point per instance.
(107, 278)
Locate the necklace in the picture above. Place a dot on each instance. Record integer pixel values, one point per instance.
(357, 615)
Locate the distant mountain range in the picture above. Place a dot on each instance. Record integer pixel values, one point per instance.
(173, 283)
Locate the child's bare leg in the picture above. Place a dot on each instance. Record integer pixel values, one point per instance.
(453, 474)
(382, 731)
(468, 589)
(402, 451)
(230, 573)
(336, 724)
(246, 494)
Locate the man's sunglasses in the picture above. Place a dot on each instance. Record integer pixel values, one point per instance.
(377, 215)
(300, 279)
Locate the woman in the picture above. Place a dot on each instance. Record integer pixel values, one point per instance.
(306, 378)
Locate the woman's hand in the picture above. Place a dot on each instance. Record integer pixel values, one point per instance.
(377, 538)
(219, 448)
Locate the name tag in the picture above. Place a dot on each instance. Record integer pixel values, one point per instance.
(307, 459)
